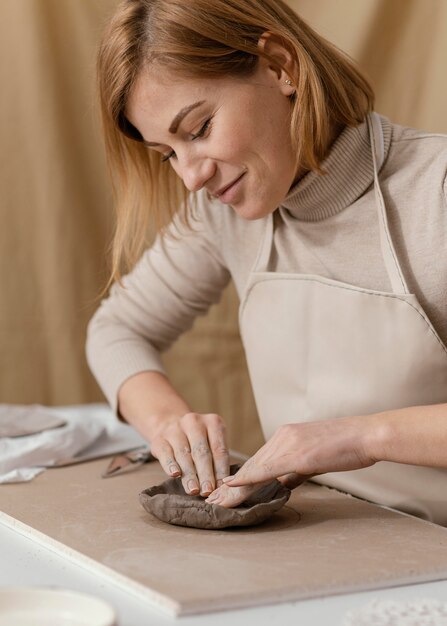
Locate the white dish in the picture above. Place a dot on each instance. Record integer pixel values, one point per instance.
(23, 606)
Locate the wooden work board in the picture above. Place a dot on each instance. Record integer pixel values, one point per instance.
(322, 542)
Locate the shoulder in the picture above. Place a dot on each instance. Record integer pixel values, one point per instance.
(421, 153)
(417, 159)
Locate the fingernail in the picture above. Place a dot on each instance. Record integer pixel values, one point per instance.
(174, 469)
(192, 486)
(227, 479)
(212, 498)
(207, 487)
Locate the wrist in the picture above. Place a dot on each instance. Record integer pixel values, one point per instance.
(150, 425)
(147, 401)
(377, 435)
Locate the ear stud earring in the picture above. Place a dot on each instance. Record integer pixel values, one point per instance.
(289, 82)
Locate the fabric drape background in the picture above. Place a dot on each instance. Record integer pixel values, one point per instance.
(56, 205)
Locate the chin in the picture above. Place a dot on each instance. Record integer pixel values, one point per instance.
(252, 212)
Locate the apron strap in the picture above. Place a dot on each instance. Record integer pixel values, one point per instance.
(265, 249)
(391, 261)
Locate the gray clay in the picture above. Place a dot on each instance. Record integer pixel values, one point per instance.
(170, 503)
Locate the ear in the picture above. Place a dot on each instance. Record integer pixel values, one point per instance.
(280, 61)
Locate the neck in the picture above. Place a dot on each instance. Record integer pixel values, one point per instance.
(348, 173)
(336, 129)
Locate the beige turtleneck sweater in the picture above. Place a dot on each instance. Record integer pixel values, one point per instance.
(327, 225)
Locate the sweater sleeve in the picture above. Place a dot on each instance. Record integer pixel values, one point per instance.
(175, 280)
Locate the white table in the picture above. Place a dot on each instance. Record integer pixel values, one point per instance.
(25, 563)
(22, 562)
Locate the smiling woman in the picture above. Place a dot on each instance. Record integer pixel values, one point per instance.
(157, 54)
(329, 219)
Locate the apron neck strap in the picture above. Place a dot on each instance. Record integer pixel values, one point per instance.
(264, 251)
(389, 255)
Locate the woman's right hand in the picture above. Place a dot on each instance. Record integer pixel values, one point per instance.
(194, 447)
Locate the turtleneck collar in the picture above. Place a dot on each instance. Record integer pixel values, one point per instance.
(349, 173)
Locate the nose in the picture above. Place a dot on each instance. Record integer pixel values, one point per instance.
(195, 171)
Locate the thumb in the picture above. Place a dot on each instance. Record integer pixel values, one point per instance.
(249, 474)
(237, 480)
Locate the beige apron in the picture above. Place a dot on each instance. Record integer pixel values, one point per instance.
(319, 349)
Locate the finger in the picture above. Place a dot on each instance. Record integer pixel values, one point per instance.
(219, 450)
(195, 430)
(203, 460)
(230, 497)
(183, 455)
(254, 471)
(164, 453)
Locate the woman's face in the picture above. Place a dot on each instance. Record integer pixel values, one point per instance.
(229, 136)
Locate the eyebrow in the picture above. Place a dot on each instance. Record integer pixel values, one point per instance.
(173, 128)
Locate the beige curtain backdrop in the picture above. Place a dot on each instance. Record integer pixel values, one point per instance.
(56, 210)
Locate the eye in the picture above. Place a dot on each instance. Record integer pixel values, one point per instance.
(201, 133)
(203, 130)
(168, 156)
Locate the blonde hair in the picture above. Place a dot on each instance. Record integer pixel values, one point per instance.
(209, 38)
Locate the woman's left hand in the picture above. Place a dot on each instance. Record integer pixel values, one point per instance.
(297, 452)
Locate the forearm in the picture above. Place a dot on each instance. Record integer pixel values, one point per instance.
(416, 435)
(148, 399)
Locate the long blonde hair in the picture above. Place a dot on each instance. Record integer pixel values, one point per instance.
(209, 38)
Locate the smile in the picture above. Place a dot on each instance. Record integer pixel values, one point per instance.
(228, 193)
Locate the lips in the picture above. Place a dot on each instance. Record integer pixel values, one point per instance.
(222, 190)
